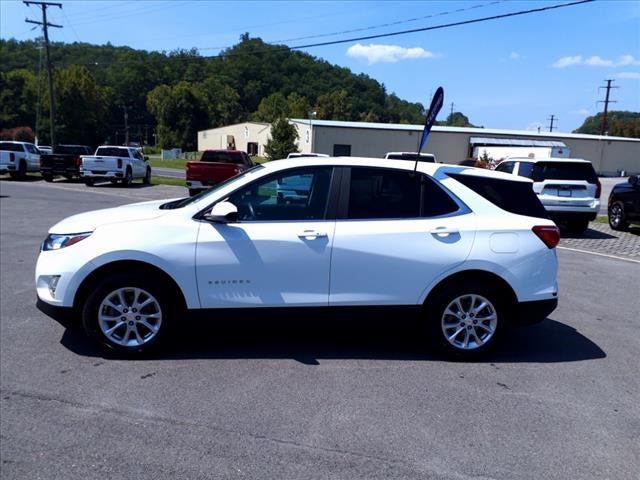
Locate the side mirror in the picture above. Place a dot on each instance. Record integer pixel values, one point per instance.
(633, 180)
(222, 212)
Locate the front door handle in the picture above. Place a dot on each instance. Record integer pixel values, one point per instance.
(311, 234)
(444, 231)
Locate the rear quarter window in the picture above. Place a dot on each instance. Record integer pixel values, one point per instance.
(563, 171)
(512, 196)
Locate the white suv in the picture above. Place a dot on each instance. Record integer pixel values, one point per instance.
(470, 251)
(567, 187)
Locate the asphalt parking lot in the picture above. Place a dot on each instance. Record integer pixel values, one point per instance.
(326, 400)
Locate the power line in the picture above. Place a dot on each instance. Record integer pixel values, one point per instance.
(391, 24)
(606, 101)
(355, 39)
(45, 29)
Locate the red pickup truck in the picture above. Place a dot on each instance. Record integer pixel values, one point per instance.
(214, 167)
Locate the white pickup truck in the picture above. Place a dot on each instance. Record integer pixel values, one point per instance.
(18, 158)
(116, 164)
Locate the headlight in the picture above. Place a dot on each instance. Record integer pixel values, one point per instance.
(55, 241)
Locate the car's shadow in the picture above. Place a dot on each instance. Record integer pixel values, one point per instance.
(311, 341)
(589, 234)
(29, 178)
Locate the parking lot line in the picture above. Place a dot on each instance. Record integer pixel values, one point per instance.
(599, 254)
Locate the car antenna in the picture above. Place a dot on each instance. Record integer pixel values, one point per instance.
(434, 109)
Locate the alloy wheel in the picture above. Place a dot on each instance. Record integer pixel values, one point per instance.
(616, 215)
(469, 321)
(130, 317)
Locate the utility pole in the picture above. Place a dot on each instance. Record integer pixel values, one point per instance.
(551, 119)
(451, 113)
(45, 26)
(606, 101)
(126, 126)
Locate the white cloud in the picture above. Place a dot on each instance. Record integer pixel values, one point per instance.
(596, 61)
(568, 61)
(514, 56)
(374, 53)
(580, 111)
(628, 75)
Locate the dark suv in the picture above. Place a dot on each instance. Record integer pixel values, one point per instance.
(624, 204)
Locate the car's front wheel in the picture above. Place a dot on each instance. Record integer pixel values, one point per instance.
(617, 217)
(127, 313)
(466, 319)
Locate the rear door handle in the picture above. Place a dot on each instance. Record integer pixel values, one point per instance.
(311, 234)
(444, 231)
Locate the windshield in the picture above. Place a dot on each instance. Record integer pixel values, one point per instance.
(183, 202)
(563, 171)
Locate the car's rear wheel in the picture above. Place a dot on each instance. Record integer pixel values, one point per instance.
(47, 177)
(128, 178)
(193, 191)
(21, 173)
(88, 182)
(68, 176)
(147, 177)
(466, 319)
(617, 217)
(578, 226)
(128, 313)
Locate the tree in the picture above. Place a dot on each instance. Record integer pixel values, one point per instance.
(18, 98)
(221, 102)
(457, 119)
(80, 108)
(282, 141)
(180, 113)
(334, 106)
(271, 108)
(620, 123)
(297, 106)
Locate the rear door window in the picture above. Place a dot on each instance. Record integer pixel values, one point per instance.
(379, 193)
(525, 169)
(563, 171)
(513, 196)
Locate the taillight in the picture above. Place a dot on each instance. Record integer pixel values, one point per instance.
(78, 161)
(598, 188)
(550, 235)
(119, 163)
(12, 157)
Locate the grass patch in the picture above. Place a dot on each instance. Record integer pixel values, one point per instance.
(178, 182)
(601, 219)
(176, 163)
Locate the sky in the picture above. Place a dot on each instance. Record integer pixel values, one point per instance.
(509, 73)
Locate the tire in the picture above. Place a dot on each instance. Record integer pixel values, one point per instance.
(147, 177)
(578, 227)
(47, 177)
(481, 334)
(193, 191)
(88, 182)
(21, 173)
(617, 217)
(128, 178)
(68, 176)
(143, 329)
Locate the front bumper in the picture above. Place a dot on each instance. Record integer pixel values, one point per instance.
(528, 313)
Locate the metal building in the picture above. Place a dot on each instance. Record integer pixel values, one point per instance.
(609, 155)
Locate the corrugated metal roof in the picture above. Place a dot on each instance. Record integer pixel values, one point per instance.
(515, 142)
(477, 131)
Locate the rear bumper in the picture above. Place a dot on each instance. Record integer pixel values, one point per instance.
(60, 170)
(200, 184)
(109, 175)
(528, 313)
